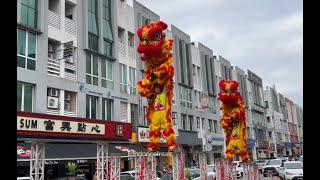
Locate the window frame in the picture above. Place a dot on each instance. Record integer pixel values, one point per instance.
(132, 79)
(90, 106)
(26, 51)
(22, 103)
(123, 77)
(107, 79)
(35, 13)
(105, 102)
(91, 70)
(210, 125)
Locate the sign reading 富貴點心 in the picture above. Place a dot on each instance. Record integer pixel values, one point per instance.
(59, 126)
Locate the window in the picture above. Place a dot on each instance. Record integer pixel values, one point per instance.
(69, 101)
(202, 122)
(270, 135)
(123, 78)
(185, 97)
(174, 118)
(144, 120)
(123, 111)
(211, 108)
(145, 21)
(191, 122)
(24, 97)
(132, 77)
(268, 119)
(107, 31)
(93, 25)
(181, 60)
(215, 126)
(26, 49)
(91, 107)
(107, 109)
(198, 122)
(210, 128)
(184, 121)
(106, 74)
(248, 132)
(92, 69)
(28, 13)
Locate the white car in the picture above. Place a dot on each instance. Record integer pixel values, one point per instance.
(211, 172)
(131, 173)
(239, 168)
(291, 170)
(271, 168)
(23, 178)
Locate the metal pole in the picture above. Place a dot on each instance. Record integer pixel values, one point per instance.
(102, 161)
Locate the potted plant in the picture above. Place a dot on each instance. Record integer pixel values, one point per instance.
(72, 168)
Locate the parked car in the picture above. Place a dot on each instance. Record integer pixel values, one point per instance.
(239, 168)
(130, 173)
(126, 177)
(291, 170)
(260, 163)
(211, 172)
(23, 178)
(271, 168)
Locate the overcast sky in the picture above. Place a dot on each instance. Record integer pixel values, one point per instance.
(264, 36)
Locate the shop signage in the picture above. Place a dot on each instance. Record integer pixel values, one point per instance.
(143, 135)
(23, 152)
(59, 126)
(212, 139)
(263, 144)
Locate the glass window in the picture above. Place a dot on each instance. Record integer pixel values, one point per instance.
(91, 107)
(184, 121)
(107, 109)
(24, 97)
(210, 125)
(92, 69)
(203, 122)
(93, 27)
(123, 78)
(215, 126)
(26, 49)
(28, 13)
(191, 122)
(198, 122)
(108, 48)
(132, 76)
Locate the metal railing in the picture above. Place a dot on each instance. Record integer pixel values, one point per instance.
(53, 67)
(54, 19)
(70, 26)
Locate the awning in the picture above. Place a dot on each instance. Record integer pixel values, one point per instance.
(60, 151)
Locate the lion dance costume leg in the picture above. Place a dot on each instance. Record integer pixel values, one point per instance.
(157, 86)
(233, 120)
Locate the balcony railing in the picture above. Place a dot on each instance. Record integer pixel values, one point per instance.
(131, 52)
(54, 19)
(122, 48)
(70, 26)
(70, 71)
(53, 67)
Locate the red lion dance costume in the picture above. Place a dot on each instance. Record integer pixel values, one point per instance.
(157, 86)
(233, 120)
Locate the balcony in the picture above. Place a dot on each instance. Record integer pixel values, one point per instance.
(61, 28)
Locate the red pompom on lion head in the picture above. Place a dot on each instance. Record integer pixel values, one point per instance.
(228, 92)
(151, 40)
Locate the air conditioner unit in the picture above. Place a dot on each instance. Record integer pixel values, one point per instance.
(67, 97)
(67, 106)
(69, 60)
(53, 102)
(53, 92)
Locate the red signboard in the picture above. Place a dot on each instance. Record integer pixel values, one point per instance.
(44, 125)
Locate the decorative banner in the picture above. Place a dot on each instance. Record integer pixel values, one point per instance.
(204, 100)
(233, 120)
(23, 152)
(59, 126)
(157, 86)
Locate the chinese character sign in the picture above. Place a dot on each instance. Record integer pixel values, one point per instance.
(59, 126)
(157, 85)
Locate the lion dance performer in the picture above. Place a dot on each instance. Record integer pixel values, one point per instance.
(157, 86)
(233, 120)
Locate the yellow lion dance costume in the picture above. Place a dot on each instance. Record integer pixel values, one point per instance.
(157, 86)
(233, 120)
